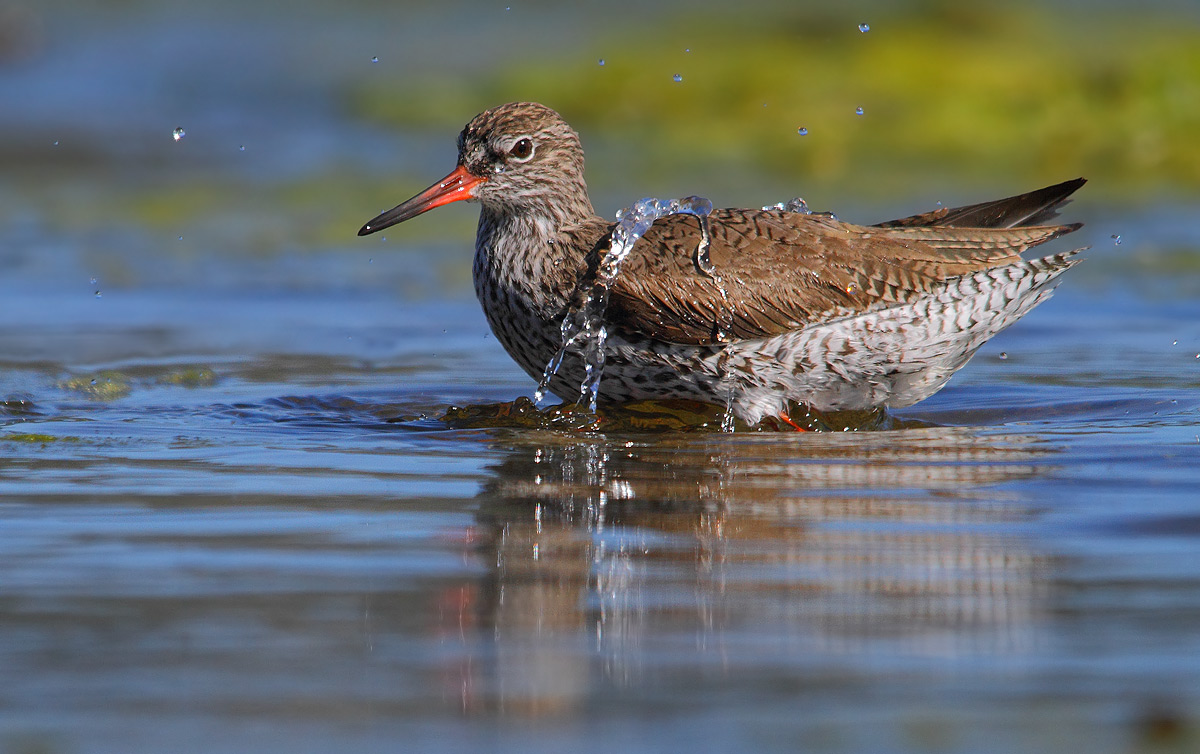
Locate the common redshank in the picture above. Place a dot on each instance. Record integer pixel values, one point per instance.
(789, 307)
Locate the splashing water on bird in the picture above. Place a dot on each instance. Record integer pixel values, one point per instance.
(795, 204)
(799, 206)
(583, 330)
(583, 327)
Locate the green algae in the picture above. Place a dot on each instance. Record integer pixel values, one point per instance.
(106, 385)
(35, 438)
(995, 91)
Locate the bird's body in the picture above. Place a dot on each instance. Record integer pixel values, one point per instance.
(789, 306)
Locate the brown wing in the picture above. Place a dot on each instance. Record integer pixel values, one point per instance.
(777, 271)
(1022, 210)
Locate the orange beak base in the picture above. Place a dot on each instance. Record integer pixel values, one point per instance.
(456, 187)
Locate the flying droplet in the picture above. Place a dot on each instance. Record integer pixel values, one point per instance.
(97, 294)
(241, 147)
(178, 133)
(374, 59)
(1116, 239)
(677, 77)
(852, 288)
(687, 49)
(864, 28)
(1004, 355)
(56, 142)
(600, 61)
(1173, 342)
(858, 111)
(93, 281)
(802, 131)
(181, 238)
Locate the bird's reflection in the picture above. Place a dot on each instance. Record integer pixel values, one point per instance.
(612, 557)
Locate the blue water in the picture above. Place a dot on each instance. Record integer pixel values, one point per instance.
(232, 517)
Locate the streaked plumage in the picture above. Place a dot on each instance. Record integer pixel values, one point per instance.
(802, 307)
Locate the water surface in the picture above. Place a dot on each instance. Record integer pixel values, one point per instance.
(232, 517)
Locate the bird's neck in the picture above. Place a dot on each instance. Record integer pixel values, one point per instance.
(527, 255)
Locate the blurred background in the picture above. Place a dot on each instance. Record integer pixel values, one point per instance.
(234, 515)
(302, 119)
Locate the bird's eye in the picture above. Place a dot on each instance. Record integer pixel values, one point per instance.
(522, 150)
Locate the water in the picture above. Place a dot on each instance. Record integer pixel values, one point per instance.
(233, 518)
(583, 328)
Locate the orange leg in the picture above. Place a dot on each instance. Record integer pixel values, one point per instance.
(783, 416)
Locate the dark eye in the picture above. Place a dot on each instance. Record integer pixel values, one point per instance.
(523, 149)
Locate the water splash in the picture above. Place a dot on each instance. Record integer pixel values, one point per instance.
(795, 204)
(725, 377)
(583, 328)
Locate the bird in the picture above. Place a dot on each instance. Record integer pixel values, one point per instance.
(756, 310)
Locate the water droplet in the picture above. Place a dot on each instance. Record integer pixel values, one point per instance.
(93, 281)
(56, 142)
(178, 133)
(97, 294)
(687, 49)
(858, 111)
(802, 131)
(241, 147)
(852, 288)
(374, 59)
(600, 61)
(1173, 342)
(1116, 239)
(181, 238)
(1004, 355)
(677, 77)
(864, 28)
(582, 329)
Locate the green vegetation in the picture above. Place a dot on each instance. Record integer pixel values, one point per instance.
(192, 377)
(986, 92)
(35, 438)
(102, 386)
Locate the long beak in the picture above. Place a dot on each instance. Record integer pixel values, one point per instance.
(456, 187)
